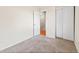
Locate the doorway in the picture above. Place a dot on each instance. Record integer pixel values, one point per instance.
(43, 23)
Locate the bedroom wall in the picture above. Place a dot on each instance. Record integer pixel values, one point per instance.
(16, 25)
(77, 27)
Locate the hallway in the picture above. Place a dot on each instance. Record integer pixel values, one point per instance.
(41, 44)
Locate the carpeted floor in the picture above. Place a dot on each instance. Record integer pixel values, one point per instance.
(41, 44)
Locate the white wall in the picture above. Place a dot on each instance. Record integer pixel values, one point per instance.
(16, 25)
(77, 28)
(65, 22)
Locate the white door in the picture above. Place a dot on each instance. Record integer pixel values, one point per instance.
(59, 22)
(36, 23)
(68, 23)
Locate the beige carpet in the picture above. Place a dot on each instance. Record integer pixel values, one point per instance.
(40, 44)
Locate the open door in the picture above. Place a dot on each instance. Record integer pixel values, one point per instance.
(36, 23)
